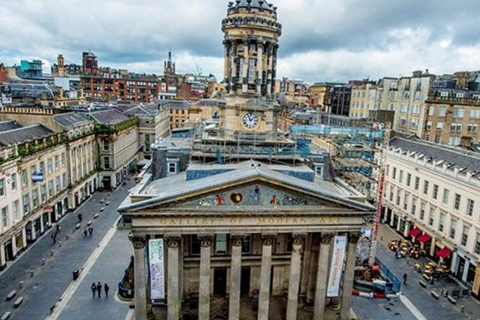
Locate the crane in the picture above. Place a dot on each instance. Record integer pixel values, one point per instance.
(381, 183)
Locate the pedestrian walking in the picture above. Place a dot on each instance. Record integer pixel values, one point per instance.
(79, 217)
(90, 231)
(106, 288)
(57, 228)
(85, 232)
(54, 237)
(93, 287)
(99, 289)
(404, 278)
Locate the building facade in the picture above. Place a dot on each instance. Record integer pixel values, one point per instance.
(432, 195)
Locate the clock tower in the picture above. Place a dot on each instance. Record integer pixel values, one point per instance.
(251, 42)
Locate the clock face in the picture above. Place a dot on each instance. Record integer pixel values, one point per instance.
(250, 120)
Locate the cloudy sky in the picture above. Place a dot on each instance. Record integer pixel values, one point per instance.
(323, 40)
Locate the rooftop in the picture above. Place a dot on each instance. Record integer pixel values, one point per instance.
(8, 125)
(71, 119)
(111, 116)
(24, 134)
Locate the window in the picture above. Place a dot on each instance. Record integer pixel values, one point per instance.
(106, 162)
(470, 206)
(446, 194)
(64, 180)
(16, 211)
(429, 125)
(2, 187)
(454, 141)
(439, 126)
(51, 193)
(456, 127)
(425, 187)
(49, 165)
(417, 183)
(458, 198)
(453, 227)
(398, 198)
(5, 217)
(35, 197)
(475, 114)
(221, 244)
(431, 111)
(437, 138)
(405, 201)
(431, 216)
(106, 145)
(477, 244)
(26, 203)
(472, 128)
(195, 245)
(43, 192)
(24, 177)
(13, 181)
(172, 167)
(42, 167)
(63, 160)
(442, 222)
(394, 175)
(409, 179)
(435, 191)
(414, 206)
(422, 211)
(56, 162)
(458, 112)
(319, 170)
(465, 235)
(58, 185)
(247, 244)
(400, 178)
(442, 111)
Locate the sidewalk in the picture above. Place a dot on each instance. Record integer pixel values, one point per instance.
(50, 280)
(419, 296)
(109, 268)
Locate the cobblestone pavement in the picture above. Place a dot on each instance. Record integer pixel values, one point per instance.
(50, 280)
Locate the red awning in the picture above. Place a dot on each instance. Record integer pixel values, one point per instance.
(415, 232)
(424, 238)
(444, 252)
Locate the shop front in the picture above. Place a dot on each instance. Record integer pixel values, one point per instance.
(465, 267)
(425, 242)
(20, 244)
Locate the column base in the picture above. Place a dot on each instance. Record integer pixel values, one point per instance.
(335, 304)
(150, 314)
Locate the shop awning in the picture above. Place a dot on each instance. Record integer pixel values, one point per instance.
(415, 232)
(444, 253)
(424, 238)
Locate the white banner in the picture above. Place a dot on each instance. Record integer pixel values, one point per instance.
(338, 256)
(157, 269)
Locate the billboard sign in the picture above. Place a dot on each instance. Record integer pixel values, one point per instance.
(37, 177)
(157, 269)
(338, 257)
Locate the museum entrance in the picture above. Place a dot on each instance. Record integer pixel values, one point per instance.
(220, 282)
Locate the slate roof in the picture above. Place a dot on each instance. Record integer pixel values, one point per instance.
(245, 171)
(453, 156)
(110, 116)
(23, 134)
(71, 119)
(8, 125)
(175, 104)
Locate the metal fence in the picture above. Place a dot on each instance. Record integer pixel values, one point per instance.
(387, 274)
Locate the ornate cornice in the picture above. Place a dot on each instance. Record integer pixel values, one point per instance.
(326, 238)
(206, 239)
(173, 240)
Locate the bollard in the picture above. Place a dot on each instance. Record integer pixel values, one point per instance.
(59, 243)
(31, 273)
(20, 285)
(462, 309)
(66, 237)
(51, 252)
(43, 261)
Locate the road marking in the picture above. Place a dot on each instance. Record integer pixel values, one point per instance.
(68, 294)
(129, 314)
(412, 308)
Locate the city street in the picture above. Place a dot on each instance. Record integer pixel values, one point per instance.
(52, 277)
(419, 297)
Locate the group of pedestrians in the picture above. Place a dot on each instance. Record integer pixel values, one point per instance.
(97, 289)
(88, 231)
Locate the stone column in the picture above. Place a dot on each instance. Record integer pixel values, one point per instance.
(265, 276)
(312, 276)
(139, 276)
(204, 292)
(306, 264)
(322, 275)
(235, 277)
(173, 290)
(245, 67)
(259, 67)
(233, 68)
(226, 71)
(348, 275)
(294, 280)
(269, 69)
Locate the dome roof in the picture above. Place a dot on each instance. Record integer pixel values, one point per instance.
(261, 4)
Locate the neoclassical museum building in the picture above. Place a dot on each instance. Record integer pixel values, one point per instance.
(249, 228)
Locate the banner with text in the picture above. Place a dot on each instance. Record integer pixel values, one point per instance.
(157, 269)
(336, 267)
